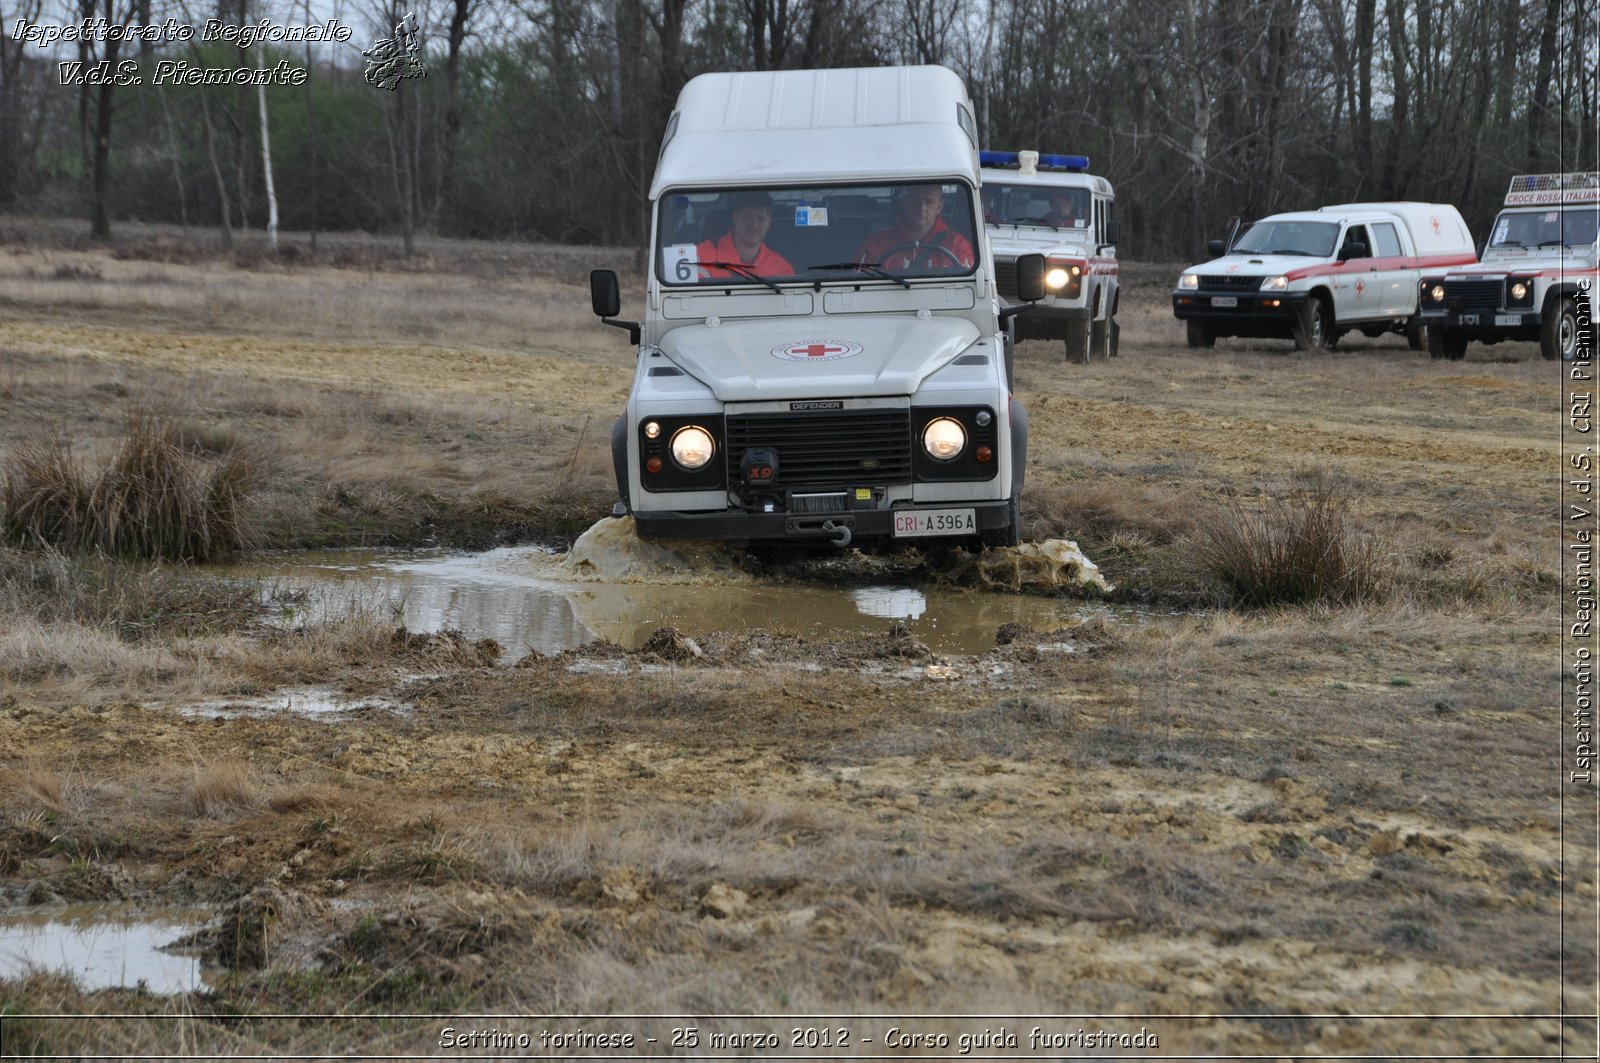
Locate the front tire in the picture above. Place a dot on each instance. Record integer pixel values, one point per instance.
(1100, 339)
(1011, 534)
(1416, 334)
(1446, 343)
(1199, 336)
(1558, 336)
(1313, 327)
(1078, 342)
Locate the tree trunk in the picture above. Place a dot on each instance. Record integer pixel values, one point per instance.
(266, 156)
(1538, 110)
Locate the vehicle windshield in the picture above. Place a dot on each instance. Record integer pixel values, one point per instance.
(1061, 208)
(1313, 238)
(775, 236)
(1552, 227)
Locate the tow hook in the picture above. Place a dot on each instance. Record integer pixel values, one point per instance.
(842, 538)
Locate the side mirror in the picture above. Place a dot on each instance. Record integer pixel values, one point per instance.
(1113, 231)
(1030, 278)
(1353, 249)
(1216, 249)
(605, 292)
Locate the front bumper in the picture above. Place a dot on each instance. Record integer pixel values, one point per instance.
(735, 526)
(1251, 313)
(1485, 324)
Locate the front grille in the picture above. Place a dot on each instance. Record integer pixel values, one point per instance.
(857, 448)
(1005, 279)
(1232, 282)
(1473, 295)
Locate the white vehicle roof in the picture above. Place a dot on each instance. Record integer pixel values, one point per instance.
(818, 127)
(1435, 228)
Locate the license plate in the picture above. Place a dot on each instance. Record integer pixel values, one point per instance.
(1469, 319)
(1224, 300)
(935, 522)
(1508, 319)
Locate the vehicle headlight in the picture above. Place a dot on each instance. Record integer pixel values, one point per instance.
(692, 447)
(944, 438)
(1519, 291)
(1436, 293)
(1056, 278)
(1189, 280)
(1275, 284)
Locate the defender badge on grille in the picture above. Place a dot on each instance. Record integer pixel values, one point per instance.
(816, 350)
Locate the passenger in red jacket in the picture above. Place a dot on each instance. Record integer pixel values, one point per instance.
(745, 242)
(919, 238)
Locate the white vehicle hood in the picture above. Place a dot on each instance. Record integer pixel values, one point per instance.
(1528, 260)
(800, 358)
(1256, 265)
(1012, 240)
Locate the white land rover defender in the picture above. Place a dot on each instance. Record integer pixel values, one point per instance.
(1051, 205)
(1537, 279)
(1312, 275)
(822, 355)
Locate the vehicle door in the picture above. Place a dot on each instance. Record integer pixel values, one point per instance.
(1355, 278)
(1396, 269)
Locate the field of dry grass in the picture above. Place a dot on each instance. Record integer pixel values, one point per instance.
(1329, 828)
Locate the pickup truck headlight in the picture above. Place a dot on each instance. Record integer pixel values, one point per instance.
(944, 439)
(693, 447)
(1275, 284)
(1190, 281)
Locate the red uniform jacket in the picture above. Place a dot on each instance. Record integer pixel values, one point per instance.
(768, 262)
(941, 235)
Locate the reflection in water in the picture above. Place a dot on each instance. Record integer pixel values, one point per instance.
(100, 947)
(613, 587)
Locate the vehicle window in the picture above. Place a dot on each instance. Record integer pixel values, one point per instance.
(772, 236)
(1386, 242)
(1546, 227)
(1356, 234)
(1062, 208)
(1313, 238)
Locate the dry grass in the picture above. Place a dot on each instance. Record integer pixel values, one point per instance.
(155, 498)
(223, 791)
(1298, 550)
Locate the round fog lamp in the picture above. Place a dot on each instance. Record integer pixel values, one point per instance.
(652, 430)
(944, 438)
(692, 447)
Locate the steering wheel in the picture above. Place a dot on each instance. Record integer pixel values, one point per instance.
(919, 248)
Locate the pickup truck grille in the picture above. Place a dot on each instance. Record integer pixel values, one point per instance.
(1473, 294)
(857, 448)
(1232, 282)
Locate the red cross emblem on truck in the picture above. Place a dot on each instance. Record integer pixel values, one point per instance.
(1361, 286)
(816, 350)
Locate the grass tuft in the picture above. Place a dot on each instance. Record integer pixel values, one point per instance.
(1298, 550)
(157, 499)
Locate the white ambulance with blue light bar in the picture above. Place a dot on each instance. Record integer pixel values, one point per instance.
(822, 358)
(1023, 192)
(1540, 269)
(1313, 275)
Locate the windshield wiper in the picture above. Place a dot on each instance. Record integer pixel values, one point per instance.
(743, 271)
(1290, 251)
(1557, 242)
(1510, 243)
(865, 267)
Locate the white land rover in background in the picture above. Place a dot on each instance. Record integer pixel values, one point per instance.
(1540, 270)
(1312, 275)
(848, 381)
(1080, 306)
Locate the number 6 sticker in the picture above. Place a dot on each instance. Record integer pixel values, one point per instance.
(679, 260)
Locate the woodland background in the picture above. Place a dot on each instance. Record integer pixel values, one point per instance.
(540, 119)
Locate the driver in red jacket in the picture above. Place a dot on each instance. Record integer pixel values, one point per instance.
(919, 238)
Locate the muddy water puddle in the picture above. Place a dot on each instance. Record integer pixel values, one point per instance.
(102, 947)
(613, 586)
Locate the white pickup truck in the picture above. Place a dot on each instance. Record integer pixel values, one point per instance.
(1052, 205)
(1311, 276)
(1540, 270)
(822, 357)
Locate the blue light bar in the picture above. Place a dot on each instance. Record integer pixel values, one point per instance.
(1008, 160)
